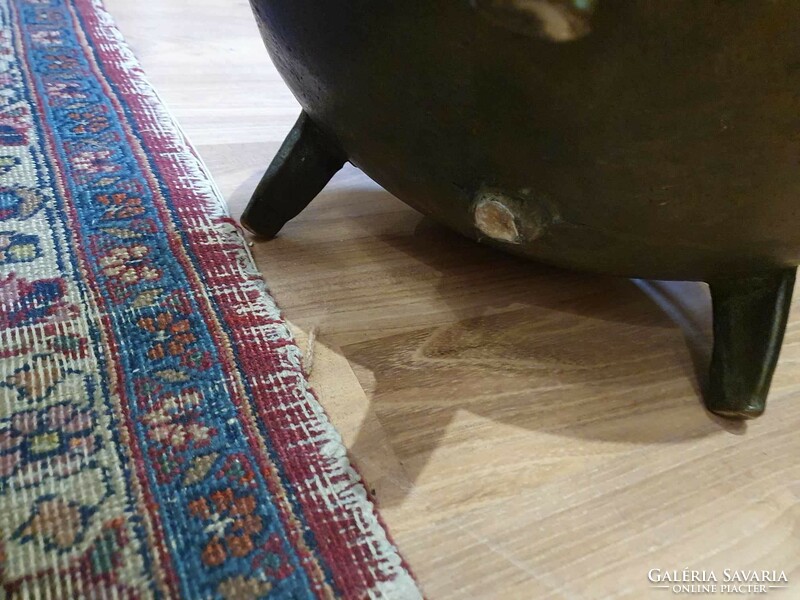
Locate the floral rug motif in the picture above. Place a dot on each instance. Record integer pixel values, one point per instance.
(158, 438)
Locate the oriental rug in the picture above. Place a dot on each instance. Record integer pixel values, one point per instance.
(158, 438)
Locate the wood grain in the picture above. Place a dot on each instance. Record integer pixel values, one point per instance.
(528, 432)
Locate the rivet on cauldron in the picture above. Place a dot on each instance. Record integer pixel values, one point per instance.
(495, 219)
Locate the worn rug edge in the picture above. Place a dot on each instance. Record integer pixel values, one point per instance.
(401, 584)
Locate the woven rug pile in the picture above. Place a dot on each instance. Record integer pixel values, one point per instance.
(157, 436)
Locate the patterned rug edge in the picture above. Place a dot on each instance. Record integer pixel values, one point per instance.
(397, 580)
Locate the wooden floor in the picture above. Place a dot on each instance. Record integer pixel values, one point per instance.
(529, 432)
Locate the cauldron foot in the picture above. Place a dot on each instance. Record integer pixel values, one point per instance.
(750, 317)
(305, 163)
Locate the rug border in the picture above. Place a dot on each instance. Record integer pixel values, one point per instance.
(333, 456)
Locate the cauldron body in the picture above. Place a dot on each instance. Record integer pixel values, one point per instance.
(633, 137)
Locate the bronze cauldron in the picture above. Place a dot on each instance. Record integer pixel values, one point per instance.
(633, 137)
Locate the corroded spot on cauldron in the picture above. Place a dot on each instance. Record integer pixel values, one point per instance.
(554, 20)
(513, 218)
(496, 220)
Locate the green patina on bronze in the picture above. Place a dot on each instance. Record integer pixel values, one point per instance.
(632, 137)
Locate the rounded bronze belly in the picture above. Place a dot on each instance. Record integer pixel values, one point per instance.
(633, 137)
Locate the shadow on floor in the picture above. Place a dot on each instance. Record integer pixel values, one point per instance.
(534, 347)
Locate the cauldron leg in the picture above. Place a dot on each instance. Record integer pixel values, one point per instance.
(750, 317)
(305, 163)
